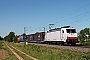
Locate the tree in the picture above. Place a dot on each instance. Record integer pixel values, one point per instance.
(84, 36)
(11, 36)
(6, 38)
(1, 38)
(23, 34)
(15, 39)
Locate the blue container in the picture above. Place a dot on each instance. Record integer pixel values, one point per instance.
(22, 39)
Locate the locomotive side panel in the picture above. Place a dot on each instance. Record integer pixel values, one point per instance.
(53, 36)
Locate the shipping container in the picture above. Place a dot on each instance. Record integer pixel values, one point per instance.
(22, 39)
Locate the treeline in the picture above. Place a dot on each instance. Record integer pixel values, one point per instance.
(11, 37)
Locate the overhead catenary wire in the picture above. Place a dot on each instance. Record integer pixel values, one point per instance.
(69, 13)
(80, 20)
(63, 16)
(74, 16)
(77, 16)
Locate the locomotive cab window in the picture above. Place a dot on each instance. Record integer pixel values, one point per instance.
(62, 31)
(71, 30)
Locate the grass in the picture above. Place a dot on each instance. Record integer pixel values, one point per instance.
(11, 55)
(48, 53)
(22, 55)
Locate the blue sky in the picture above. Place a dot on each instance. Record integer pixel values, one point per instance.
(17, 14)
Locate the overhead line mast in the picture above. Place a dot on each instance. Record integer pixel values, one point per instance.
(24, 30)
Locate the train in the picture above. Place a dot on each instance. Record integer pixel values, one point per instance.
(65, 34)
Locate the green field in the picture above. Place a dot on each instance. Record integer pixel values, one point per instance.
(11, 55)
(47, 53)
(22, 55)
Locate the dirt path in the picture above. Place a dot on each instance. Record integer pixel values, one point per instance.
(19, 58)
(3, 54)
(24, 53)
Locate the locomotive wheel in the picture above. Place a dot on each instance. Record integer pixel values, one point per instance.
(68, 43)
(74, 43)
(61, 43)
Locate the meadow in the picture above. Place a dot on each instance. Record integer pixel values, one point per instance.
(10, 56)
(48, 53)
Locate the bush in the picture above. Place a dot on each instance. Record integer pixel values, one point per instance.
(83, 42)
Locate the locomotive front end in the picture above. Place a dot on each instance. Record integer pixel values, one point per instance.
(72, 37)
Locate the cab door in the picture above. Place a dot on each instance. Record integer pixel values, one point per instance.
(62, 34)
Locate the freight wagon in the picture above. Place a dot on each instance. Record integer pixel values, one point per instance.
(61, 35)
(37, 37)
(31, 38)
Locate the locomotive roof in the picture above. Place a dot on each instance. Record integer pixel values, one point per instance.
(58, 29)
(65, 27)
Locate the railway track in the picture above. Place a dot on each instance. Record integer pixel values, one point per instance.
(74, 48)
